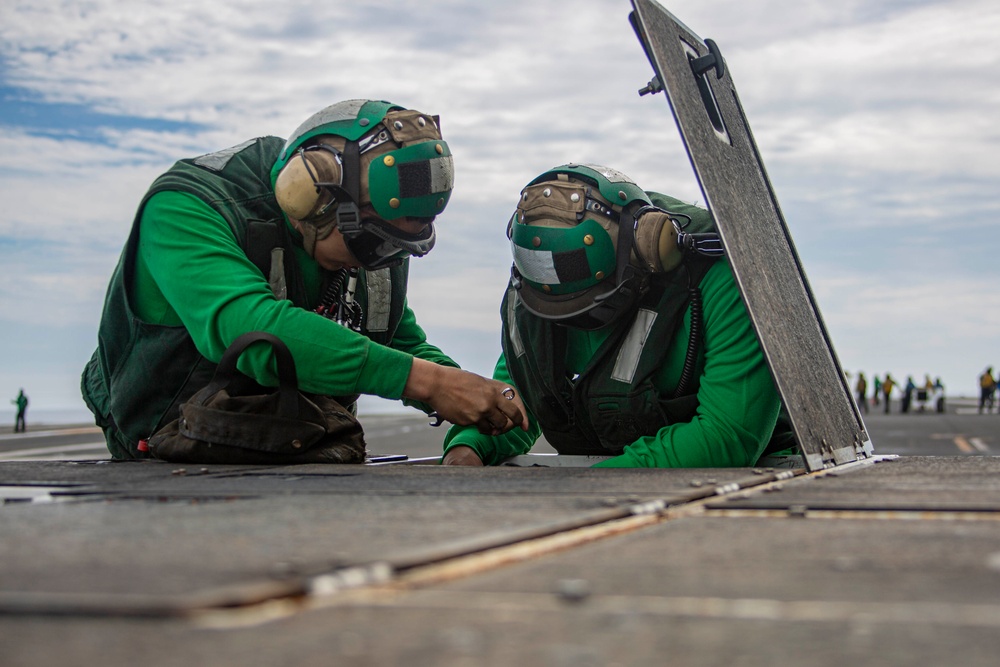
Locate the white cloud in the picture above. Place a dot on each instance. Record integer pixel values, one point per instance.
(869, 116)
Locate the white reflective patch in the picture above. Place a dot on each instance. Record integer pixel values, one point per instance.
(217, 161)
(612, 175)
(335, 113)
(379, 298)
(535, 265)
(442, 174)
(512, 333)
(277, 278)
(631, 349)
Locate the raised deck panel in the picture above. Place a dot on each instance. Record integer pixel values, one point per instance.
(729, 168)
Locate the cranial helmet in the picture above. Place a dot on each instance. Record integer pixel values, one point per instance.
(359, 154)
(583, 238)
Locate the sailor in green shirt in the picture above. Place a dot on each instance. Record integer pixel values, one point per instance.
(308, 239)
(624, 333)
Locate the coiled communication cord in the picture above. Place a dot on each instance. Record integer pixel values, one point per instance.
(331, 297)
(694, 342)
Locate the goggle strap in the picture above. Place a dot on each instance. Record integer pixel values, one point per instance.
(352, 170)
(626, 239)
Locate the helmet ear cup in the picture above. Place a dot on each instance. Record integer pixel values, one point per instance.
(655, 242)
(299, 186)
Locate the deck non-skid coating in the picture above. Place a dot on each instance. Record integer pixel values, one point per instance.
(706, 588)
(146, 528)
(924, 484)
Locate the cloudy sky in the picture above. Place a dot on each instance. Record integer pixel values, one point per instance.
(876, 120)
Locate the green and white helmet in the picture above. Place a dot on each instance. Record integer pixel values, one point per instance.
(366, 153)
(571, 262)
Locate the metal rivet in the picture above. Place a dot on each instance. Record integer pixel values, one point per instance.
(389, 160)
(547, 192)
(421, 122)
(398, 125)
(524, 196)
(536, 242)
(599, 275)
(573, 591)
(297, 444)
(363, 122)
(439, 148)
(588, 240)
(574, 197)
(546, 288)
(441, 202)
(622, 195)
(393, 203)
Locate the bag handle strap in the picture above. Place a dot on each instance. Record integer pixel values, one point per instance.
(288, 400)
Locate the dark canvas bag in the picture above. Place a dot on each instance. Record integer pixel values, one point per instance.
(222, 424)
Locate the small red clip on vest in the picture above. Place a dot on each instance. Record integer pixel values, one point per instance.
(143, 446)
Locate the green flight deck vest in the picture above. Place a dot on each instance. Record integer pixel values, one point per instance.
(141, 372)
(613, 401)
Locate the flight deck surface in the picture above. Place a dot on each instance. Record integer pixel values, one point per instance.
(891, 561)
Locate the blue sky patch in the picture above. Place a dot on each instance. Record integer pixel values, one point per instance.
(27, 111)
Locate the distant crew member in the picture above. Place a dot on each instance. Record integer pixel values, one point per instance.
(908, 390)
(987, 386)
(21, 405)
(862, 391)
(887, 386)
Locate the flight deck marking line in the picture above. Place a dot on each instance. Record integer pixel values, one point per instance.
(979, 444)
(861, 514)
(933, 613)
(963, 444)
(45, 434)
(52, 450)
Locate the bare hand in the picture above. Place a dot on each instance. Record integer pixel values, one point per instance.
(465, 398)
(461, 456)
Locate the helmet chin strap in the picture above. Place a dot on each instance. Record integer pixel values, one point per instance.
(626, 241)
(627, 277)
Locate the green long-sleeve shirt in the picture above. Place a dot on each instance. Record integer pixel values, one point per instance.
(191, 271)
(738, 401)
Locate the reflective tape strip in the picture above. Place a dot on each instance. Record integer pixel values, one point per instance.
(535, 265)
(379, 300)
(512, 333)
(277, 278)
(442, 174)
(217, 161)
(631, 349)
